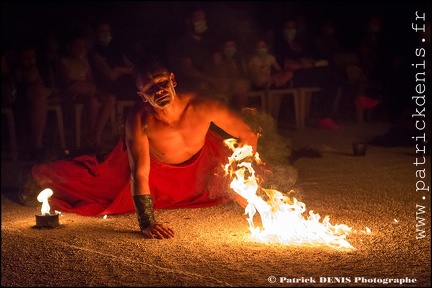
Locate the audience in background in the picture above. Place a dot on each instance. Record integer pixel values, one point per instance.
(8, 83)
(202, 61)
(81, 87)
(192, 55)
(264, 69)
(326, 43)
(111, 67)
(371, 50)
(232, 67)
(31, 103)
(310, 72)
(247, 33)
(372, 66)
(49, 62)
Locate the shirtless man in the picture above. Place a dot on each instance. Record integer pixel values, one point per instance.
(171, 128)
(170, 157)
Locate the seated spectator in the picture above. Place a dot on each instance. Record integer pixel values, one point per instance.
(8, 83)
(327, 45)
(31, 103)
(309, 71)
(192, 55)
(49, 60)
(111, 67)
(247, 33)
(264, 69)
(81, 88)
(373, 66)
(232, 67)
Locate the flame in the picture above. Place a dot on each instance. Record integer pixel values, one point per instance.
(43, 197)
(281, 217)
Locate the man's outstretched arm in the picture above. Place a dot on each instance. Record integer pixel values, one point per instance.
(139, 161)
(232, 123)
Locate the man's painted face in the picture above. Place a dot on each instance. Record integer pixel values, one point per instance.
(157, 88)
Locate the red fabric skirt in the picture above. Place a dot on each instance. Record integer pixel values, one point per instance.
(87, 187)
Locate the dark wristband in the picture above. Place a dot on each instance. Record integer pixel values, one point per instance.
(144, 210)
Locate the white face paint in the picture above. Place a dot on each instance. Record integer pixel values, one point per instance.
(161, 99)
(158, 90)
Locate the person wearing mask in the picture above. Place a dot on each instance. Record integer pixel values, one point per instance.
(264, 69)
(31, 102)
(308, 71)
(232, 67)
(78, 78)
(112, 68)
(193, 54)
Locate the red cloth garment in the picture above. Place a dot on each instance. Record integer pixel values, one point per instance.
(87, 187)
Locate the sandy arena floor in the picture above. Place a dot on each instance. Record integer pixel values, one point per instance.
(213, 246)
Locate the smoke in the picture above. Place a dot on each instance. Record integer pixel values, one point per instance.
(274, 150)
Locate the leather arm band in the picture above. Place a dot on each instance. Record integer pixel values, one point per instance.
(144, 209)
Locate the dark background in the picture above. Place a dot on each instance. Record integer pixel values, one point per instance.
(153, 25)
(158, 20)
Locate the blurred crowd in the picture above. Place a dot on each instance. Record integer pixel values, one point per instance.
(89, 60)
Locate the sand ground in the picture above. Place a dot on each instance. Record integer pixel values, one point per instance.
(213, 246)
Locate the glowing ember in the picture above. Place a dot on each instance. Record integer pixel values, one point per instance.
(281, 217)
(43, 197)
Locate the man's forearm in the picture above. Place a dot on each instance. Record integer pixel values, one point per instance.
(143, 200)
(144, 209)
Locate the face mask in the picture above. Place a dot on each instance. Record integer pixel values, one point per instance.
(262, 51)
(200, 27)
(229, 52)
(290, 34)
(105, 37)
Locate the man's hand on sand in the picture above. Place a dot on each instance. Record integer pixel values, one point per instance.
(158, 231)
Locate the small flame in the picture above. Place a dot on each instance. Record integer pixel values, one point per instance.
(43, 197)
(281, 217)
